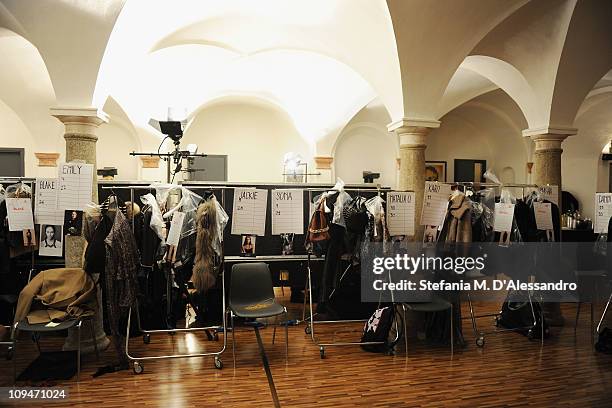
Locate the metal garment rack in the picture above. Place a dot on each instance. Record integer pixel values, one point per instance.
(32, 183)
(480, 335)
(311, 322)
(137, 365)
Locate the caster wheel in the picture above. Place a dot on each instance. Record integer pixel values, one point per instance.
(530, 334)
(480, 341)
(496, 321)
(307, 329)
(9, 353)
(322, 351)
(216, 337)
(218, 363)
(138, 368)
(146, 338)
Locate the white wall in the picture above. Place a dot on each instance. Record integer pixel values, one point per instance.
(254, 134)
(364, 147)
(113, 148)
(13, 133)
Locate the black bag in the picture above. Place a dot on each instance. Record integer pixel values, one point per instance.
(518, 316)
(378, 329)
(604, 341)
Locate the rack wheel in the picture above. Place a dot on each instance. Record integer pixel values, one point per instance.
(530, 334)
(146, 338)
(322, 351)
(307, 329)
(480, 341)
(138, 368)
(218, 363)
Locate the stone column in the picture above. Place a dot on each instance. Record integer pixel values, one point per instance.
(80, 135)
(412, 140)
(547, 170)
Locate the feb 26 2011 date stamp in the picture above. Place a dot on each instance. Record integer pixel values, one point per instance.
(33, 393)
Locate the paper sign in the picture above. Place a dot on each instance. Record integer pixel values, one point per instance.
(75, 184)
(504, 214)
(400, 213)
(543, 216)
(19, 211)
(549, 193)
(435, 203)
(249, 214)
(176, 226)
(287, 211)
(603, 212)
(45, 208)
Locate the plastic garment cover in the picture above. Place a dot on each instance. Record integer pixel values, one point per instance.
(222, 220)
(157, 223)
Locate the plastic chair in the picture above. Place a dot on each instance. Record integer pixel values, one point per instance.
(437, 304)
(252, 297)
(37, 329)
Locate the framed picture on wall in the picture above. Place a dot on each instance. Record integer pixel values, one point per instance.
(435, 170)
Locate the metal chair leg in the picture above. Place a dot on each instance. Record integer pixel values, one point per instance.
(93, 336)
(405, 330)
(592, 329)
(452, 331)
(274, 331)
(79, 350)
(15, 356)
(233, 338)
(286, 337)
(472, 317)
(577, 317)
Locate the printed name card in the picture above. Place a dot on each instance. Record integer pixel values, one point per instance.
(19, 211)
(249, 213)
(287, 211)
(435, 203)
(549, 193)
(603, 212)
(45, 210)
(75, 184)
(543, 216)
(504, 214)
(400, 213)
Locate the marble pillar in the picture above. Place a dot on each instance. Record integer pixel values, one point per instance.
(547, 170)
(412, 140)
(80, 134)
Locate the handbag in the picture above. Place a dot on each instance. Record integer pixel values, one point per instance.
(318, 228)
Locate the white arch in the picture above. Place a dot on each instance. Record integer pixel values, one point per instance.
(513, 82)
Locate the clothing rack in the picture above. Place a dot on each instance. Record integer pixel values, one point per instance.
(32, 183)
(137, 361)
(480, 335)
(310, 321)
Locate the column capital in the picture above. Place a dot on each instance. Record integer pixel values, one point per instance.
(85, 116)
(150, 162)
(323, 162)
(405, 125)
(412, 132)
(47, 159)
(549, 138)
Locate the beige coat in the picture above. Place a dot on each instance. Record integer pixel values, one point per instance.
(459, 220)
(62, 293)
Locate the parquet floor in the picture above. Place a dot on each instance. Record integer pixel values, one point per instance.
(509, 371)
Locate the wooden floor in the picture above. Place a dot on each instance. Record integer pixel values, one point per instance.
(509, 371)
